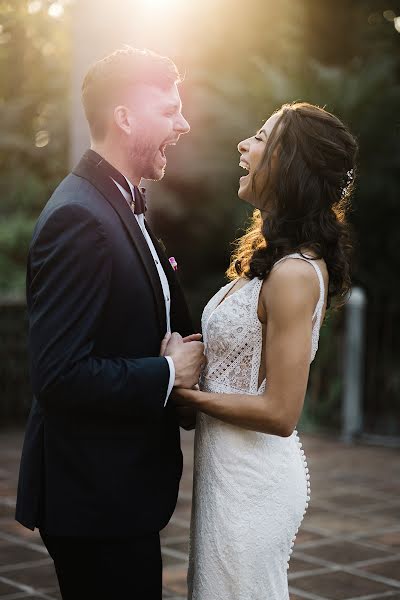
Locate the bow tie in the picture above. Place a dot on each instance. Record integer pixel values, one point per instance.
(138, 202)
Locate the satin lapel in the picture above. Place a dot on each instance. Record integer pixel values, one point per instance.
(181, 320)
(89, 171)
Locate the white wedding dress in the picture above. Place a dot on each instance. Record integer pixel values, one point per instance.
(251, 489)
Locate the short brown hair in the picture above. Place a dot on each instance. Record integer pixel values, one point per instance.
(109, 77)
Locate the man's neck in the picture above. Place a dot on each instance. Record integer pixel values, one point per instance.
(118, 162)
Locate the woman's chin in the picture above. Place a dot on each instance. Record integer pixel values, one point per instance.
(243, 191)
(245, 195)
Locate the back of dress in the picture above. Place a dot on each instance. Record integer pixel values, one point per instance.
(251, 489)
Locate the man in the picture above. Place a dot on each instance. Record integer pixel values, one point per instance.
(101, 462)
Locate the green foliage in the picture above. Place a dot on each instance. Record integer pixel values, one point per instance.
(241, 65)
(34, 66)
(15, 235)
(324, 393)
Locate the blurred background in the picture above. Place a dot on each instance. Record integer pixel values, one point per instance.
(241, 61)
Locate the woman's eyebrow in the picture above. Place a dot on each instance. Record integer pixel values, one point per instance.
(263, 131)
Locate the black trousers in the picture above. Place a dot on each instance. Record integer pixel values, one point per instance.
(107, 569)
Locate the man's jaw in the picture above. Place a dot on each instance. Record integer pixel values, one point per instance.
(155, 168)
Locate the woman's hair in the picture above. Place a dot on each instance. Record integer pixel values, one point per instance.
(307, 197)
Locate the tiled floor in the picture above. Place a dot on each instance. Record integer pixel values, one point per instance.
(348, 546)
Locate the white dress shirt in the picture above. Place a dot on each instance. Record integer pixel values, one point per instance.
(161, 274)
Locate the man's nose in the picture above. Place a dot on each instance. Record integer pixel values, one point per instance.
(182, 125)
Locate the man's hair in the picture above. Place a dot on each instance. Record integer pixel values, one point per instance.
(107, 79)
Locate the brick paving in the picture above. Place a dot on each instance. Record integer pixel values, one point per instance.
(348, 546)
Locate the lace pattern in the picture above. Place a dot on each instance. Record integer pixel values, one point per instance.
(251, 490)
(232, 336)
(232, 359)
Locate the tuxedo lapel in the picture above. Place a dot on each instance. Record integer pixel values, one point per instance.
(180, 317)
(88, 169)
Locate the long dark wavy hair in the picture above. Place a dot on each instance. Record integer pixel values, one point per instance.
(307, 198)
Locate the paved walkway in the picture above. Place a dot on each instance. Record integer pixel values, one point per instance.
(348, 546)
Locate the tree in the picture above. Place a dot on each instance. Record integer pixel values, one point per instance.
(34, 66)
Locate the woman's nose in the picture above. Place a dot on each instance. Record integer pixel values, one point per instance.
(242, 146)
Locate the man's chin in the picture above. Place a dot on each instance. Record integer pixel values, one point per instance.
(154, 174)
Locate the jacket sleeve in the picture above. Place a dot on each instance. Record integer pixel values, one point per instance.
(68, 280)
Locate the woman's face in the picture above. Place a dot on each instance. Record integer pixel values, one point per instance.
(251, 152)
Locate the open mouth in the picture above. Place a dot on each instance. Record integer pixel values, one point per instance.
(163, 148)
(244, 166)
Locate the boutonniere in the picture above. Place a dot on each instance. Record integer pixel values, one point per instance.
(173, 263)
(172, 260)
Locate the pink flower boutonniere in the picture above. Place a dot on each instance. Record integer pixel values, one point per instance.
(173, 263)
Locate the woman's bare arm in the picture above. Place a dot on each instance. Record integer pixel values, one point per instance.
(287, 301)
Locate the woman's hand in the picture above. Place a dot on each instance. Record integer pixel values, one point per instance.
(186, 412)
(188, 398)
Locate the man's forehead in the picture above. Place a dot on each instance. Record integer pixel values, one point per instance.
(167, 97)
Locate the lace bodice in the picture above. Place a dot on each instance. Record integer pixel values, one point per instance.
(233, 361)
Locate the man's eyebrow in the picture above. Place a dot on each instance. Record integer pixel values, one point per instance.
(173, 106)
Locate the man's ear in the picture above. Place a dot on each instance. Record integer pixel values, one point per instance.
(123, 118)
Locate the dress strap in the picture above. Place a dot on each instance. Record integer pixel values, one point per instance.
(320, 303)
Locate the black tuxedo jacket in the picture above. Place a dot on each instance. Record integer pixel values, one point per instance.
(101, 454)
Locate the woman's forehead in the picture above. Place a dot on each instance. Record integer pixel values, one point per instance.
(270, 123)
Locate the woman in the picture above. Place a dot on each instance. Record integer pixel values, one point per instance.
(251, 486)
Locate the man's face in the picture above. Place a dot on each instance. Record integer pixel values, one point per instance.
(156, 120)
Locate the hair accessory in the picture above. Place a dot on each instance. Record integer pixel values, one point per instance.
(348, 181)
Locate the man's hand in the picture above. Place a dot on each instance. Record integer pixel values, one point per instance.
(194, 337)
(188, 356)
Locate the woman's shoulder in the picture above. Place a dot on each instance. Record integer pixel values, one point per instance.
(292, 282)
(299, 264)
(291, 271)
